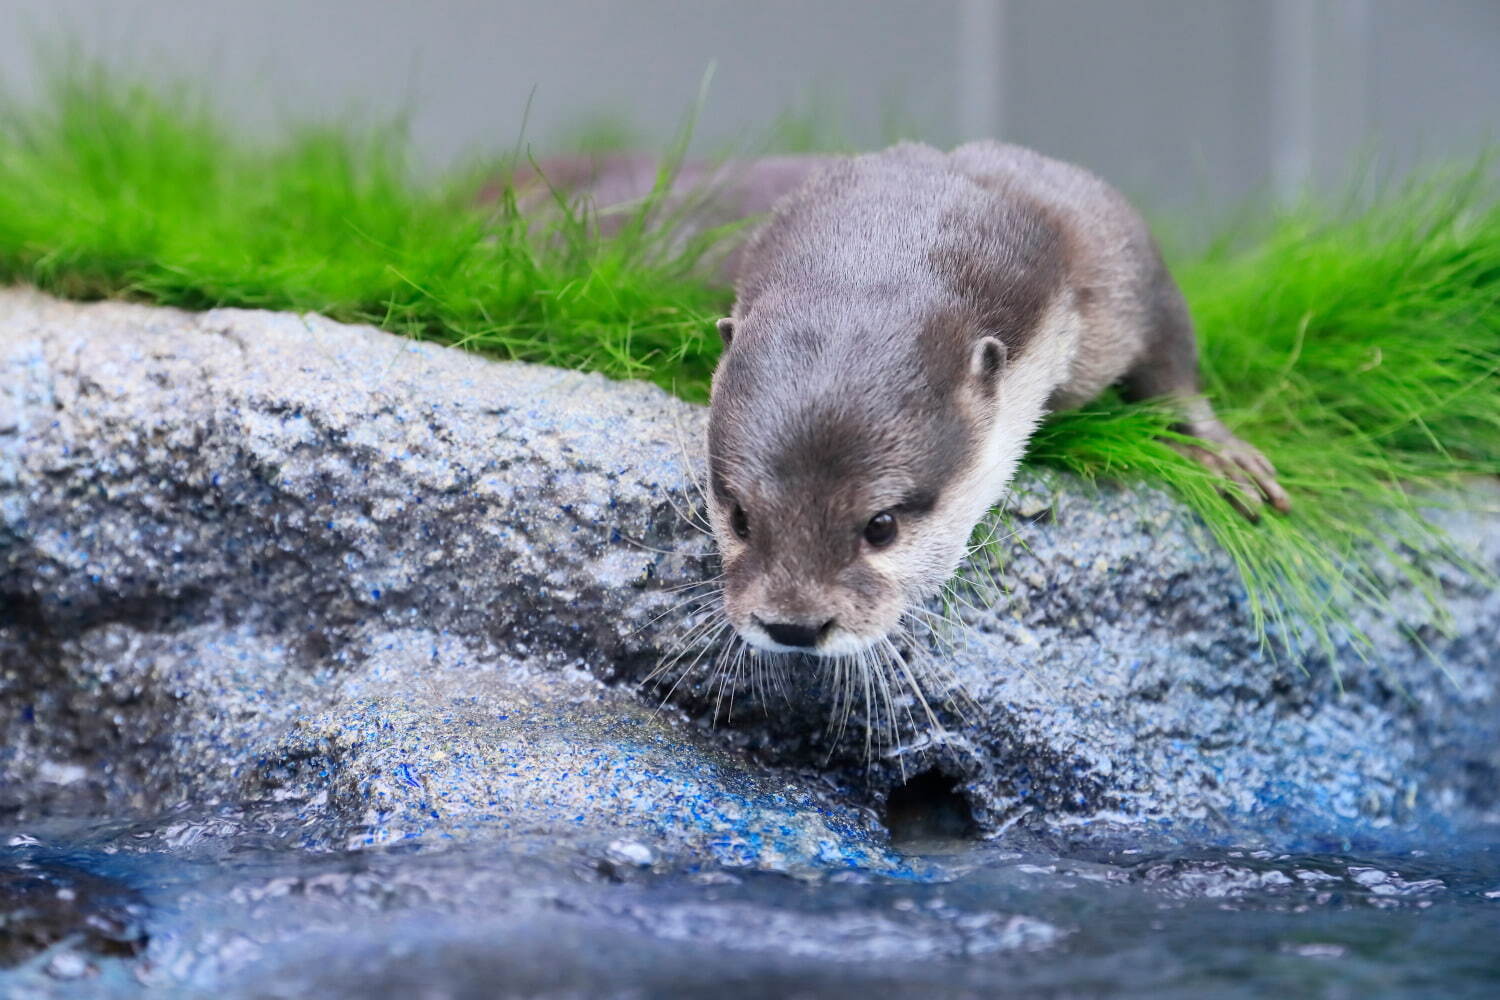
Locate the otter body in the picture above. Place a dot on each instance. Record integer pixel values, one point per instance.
(903, 321)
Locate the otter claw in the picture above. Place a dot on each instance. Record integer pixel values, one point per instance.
(1252, 478)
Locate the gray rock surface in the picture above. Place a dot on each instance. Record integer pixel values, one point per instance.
(256, 557)
(401, 591)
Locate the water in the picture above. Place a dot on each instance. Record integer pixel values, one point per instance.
(211, 905)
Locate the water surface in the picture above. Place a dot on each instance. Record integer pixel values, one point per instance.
(209, 904)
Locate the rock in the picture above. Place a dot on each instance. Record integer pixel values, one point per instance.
(45, 904)
(245, 559)
(427, 738)
(404, 592)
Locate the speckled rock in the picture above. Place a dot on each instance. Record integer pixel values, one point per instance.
(249, 557)
(425, 737)
(403, 591)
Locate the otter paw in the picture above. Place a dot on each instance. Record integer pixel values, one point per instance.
(1251, 477)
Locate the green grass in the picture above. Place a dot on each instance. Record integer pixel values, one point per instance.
(1361, 352)
(1360, 349)
(109, 190)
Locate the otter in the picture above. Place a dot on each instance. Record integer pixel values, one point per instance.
(903, 321)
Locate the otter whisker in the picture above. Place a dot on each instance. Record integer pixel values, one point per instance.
(888, 731)
(711, 640)
(927, 671)
(719, 677)
(993, 520)
(934, 626)
(872, 664)
(696, 583)
(637, 543)
(955, 695)
(1018, 662)
(983, 581)
(871, 701)
(740, 668)
(883, 677)
(754, 678)
(712, 611)
(728, 672)
(843, 700)
(923, 625)
(713, 623)
(894, 739)
(952, 593)
(778, 675)
(987, 584)
(850, 681)
(979, 547)
(703, 528)
(757, 670)
(677, 606)
(899, 662)
(712, 598)
(694, 475)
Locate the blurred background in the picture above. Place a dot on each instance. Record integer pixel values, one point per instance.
(1183, 103)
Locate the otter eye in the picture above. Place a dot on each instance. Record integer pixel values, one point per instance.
(881, 530)
(740, 523)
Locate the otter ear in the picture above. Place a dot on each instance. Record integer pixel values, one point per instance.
(989, 359)
(726, 329)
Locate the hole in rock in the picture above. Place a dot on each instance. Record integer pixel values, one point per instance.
(929, 807)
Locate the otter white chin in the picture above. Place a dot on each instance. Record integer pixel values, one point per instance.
(902, 323)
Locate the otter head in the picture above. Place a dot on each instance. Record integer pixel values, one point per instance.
(846, 454)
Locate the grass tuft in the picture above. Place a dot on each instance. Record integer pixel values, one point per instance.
(113, 190)
(1361, 353)
(1359, 349)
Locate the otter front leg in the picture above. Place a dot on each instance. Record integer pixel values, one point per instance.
(1168, 368)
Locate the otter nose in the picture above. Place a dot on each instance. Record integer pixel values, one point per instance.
(793, 634)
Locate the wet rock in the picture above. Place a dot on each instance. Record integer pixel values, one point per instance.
(403, 592)
(45, 904)
(499, 748)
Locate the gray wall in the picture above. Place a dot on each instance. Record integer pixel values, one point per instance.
(1186, 103)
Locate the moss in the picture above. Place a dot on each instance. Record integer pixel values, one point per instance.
(1359, 349)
